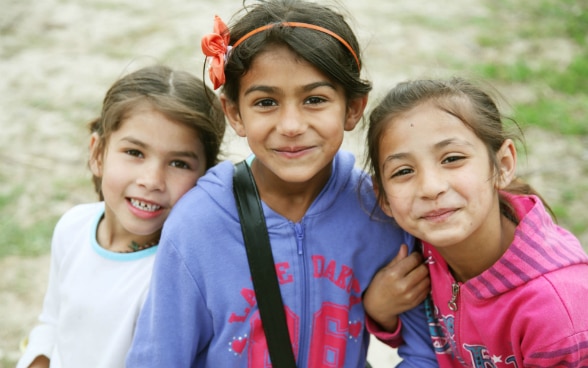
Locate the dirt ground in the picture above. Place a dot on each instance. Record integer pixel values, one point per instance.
(58, 58)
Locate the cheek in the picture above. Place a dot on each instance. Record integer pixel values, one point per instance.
(399, 205)
(112, 178)
(181, 187)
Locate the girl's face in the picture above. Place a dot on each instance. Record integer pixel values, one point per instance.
(148, 164)
(437, 178)
(293, 116)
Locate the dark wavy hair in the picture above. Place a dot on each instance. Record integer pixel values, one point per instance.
(321, 50)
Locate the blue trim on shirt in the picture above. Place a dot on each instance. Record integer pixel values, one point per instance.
(115, 256)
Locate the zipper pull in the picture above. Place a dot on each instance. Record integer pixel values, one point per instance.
(299, 236)
(453, 301)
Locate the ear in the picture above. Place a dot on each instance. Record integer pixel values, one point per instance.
(506, 157)
(231, 110)
(95, 161)
(381, 198)
(355, 109)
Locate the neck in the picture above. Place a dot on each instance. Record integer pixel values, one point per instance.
(289, 199)
(470, 259)
(122, 241)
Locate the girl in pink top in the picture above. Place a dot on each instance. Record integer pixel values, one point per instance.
(509, 286)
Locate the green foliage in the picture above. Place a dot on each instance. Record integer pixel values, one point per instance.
(561, 209)
(561, 96)
(574, 79)
(545, 18)
(559, 113)
(19, 239)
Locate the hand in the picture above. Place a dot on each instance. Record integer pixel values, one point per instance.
(40, 362)
(397, 287)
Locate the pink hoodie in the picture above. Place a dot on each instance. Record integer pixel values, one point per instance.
(528, 310)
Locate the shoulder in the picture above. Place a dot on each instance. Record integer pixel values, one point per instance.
(81, 214)
(214, 187)
(558, 297)
(211, 201)
(568, 287)
(75, 228)
(553, 325)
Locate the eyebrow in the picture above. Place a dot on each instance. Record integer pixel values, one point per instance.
(450, 141)
(139, 143)
(305, 88)
(437, 146)
(396, 156)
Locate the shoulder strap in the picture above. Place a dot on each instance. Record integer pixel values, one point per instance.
(263, 271)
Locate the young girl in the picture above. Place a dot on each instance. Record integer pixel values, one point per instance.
(290, 72)
(158, 132)
(509, 287)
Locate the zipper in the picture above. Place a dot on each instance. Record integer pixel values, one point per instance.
(299, 229)
(452, 304)
(304, 332)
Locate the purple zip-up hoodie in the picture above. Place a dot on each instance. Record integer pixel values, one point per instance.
(528, 310)
(201, 310)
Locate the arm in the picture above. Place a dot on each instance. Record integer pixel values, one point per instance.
(417, 351)
(40, 362)
(41, 340)
(394, 304)
(169, 330)
(396, 288)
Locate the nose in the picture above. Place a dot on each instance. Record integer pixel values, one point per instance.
(291, 121)
(152, 176)
(432, 183)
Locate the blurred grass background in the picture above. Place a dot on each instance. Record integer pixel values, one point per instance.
(514, 29)
(58, 57)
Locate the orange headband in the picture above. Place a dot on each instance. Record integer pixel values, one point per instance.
(301, 25)
(216, 45)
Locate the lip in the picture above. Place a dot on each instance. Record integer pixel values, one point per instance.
(143, 208)
(438, 215)
(293, 152)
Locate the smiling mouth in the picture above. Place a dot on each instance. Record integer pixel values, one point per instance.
(438, 215)
(292, 149)
(293, 152)
(148, 207)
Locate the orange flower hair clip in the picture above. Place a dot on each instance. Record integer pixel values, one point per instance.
(216, 46)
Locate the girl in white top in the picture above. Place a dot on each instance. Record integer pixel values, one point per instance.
(158, 132)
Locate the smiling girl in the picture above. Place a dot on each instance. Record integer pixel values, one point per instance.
(292, 86)
(158, 132)
(509, 286)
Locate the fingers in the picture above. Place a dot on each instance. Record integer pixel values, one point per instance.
(415, 293)
(404, 265)
(402, 253)
(399, 286)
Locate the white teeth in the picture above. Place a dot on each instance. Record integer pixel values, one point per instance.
(144, 206)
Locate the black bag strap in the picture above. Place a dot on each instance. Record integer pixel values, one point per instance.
(262, 267)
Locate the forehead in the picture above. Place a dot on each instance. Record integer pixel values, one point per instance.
(278, 65)
(426, 124)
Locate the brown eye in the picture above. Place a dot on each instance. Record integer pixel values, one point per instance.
(451, 159)
(402, 172)
(180, 164)
(266, 103)
(314, 100)
(134, 152)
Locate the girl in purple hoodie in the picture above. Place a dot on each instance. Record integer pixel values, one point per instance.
(509, 286)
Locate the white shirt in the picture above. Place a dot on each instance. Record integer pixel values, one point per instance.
(93, 298)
